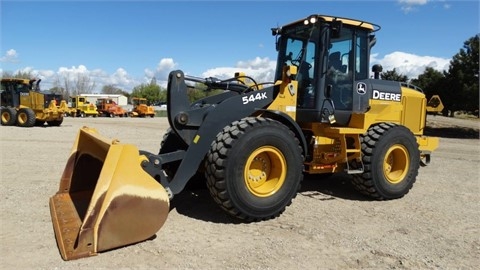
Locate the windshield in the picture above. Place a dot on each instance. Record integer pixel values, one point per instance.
(336, 65)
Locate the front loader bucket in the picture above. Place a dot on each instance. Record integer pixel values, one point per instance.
(105, 200)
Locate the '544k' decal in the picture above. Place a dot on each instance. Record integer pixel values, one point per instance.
(254, 97)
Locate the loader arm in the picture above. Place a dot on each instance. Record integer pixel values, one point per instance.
(199, 123)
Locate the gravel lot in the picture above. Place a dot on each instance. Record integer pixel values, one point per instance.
(328, 226)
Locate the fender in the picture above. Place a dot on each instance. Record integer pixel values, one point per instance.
(290, 123)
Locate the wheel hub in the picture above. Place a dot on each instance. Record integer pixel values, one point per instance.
(396, 164)
(265, 171)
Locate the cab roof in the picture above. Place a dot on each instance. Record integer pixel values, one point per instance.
(18, 80)
(326, 18)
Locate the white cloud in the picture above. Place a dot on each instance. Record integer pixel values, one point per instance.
(411, 5)
(413, 2)
(408, 64)
(120, 78)
(11, 56)
(161, 71)
(260, 69)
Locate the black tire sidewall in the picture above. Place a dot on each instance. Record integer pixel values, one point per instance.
(396, 135)
(272, 135)
(13, 116)
(31, 119)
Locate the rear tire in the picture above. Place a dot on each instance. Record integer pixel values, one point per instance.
(26, 117)
(254, 168)
(9, 116)
(391, 160)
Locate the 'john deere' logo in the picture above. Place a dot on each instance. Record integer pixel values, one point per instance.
(361, 88)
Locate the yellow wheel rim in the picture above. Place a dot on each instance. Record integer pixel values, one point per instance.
(396, 164)
(22, 118)
(265, 171)
(5, 117)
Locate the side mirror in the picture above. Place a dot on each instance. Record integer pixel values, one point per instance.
(276, 32)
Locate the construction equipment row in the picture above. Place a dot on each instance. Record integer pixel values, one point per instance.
(80, 107)
(24, 105)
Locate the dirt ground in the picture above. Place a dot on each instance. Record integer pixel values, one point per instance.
(328, 226)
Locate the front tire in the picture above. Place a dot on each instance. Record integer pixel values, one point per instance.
(391, 160)
(254, 168)
(26, 117)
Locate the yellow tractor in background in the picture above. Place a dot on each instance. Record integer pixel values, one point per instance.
(435, 105)
(81, 107)
(23, 104)
(253, 142)
(141, 108)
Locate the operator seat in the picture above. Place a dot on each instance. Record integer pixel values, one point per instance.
(334, 61)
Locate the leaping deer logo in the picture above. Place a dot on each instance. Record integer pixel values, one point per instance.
(361, 88)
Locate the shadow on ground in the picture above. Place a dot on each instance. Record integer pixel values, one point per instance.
(196, 202)
(452, 132)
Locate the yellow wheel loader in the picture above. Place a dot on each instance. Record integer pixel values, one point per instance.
(23, 104)
(141, 108)
(253, 142)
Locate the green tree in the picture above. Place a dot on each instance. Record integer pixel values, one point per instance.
(461, 91)
(392, 75)
(111, 89)
(57, 90)
(19, 75)
(149, 91)
(431, 81)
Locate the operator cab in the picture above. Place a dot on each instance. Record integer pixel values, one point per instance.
(12, 89)
(332, 58)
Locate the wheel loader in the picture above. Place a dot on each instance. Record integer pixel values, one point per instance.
(253, 142)
(23, 105)
(141, 108)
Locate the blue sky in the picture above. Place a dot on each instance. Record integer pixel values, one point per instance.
(125, 43)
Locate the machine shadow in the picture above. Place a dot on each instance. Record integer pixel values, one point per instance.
(196, 202)
(330, 187)
(452, 132)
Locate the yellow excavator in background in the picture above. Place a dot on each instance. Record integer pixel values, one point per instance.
(253, 142)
